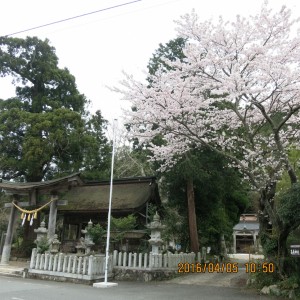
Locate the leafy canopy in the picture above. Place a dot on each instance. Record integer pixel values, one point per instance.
(250, 66)
(45, 129)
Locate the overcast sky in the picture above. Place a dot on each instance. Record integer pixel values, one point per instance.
(96, 48)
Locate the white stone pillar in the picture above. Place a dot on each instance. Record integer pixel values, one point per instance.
(234, 242)
(115, 258)
(52, 217)
(9, 236)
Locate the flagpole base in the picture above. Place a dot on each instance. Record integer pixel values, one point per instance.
(104, 284)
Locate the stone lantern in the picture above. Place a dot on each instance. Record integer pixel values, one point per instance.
(80, 247)
(41, 237)
(41, 232)
(54, 246)
(88, 242)
(156, 227)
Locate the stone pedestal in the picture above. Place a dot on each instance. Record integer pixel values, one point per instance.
(104, 284)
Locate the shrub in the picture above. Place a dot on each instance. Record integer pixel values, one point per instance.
(43, 244)
(265, 279)
(96, 233)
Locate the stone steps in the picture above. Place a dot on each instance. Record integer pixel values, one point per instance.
(15, 268)
(12, 272)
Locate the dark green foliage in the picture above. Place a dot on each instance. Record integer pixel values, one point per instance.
(175, 224)
(285, 284)
(290, 283)
(45, 130)
(119, 227)
(3, 213)
(96, 233)
(97, 153)
(220, 195)
(270, 244)
(43, 244)
(44, 86)
(123, 224)
(25, 249)
(264, 279)
(171, 50)
(289, 207)
(294, 237)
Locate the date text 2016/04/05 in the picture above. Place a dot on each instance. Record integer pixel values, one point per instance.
(251, 267)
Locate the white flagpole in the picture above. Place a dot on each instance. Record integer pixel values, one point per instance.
(105, 283)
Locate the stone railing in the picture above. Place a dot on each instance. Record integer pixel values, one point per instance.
(149, 260)
(91, 268)
(69, 266)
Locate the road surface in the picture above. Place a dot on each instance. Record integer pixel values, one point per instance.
(30, 289)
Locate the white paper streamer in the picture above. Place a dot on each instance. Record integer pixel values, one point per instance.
(24, 219)
(31, 221)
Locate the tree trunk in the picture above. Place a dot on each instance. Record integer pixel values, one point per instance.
(282, 251)
(273, 233)
(194, 242)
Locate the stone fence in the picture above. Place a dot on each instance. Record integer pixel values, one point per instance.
(147, 266)
(88, 268)
(150, 261)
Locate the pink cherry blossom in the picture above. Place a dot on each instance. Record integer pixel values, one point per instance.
(250, 64)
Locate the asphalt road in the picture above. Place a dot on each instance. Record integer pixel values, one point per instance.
(30, 289)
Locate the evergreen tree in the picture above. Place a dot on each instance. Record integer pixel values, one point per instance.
(45, 129)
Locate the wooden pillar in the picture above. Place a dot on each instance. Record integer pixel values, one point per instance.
(9, 235)
(52, 217)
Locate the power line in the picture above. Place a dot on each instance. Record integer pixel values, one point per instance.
(72, 18)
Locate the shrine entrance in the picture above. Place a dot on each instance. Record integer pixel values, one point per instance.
(244, 243)
(39, 195)
(82, 202)
(245, 235)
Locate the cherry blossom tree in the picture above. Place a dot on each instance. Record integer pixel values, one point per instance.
(237, 92)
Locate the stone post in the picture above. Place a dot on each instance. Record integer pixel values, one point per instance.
(9, 236)
(115, 258)
(204, 252)
(52, 217)
(254, 242)
(234, 242)
(223, 248)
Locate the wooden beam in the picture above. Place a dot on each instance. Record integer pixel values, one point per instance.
(62, 202)
(21, 204)
(26, 204)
